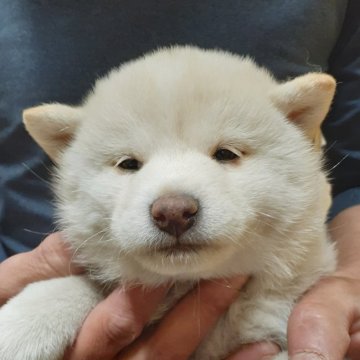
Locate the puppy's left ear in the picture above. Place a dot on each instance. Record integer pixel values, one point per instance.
(305, 101)
(52, 126)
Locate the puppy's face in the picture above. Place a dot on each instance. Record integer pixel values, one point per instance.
(187, 164)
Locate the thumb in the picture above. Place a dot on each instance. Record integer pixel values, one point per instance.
(318, 327)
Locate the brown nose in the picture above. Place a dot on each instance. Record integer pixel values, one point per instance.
(174, 214)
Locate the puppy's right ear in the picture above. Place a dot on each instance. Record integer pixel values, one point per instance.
(52, 126)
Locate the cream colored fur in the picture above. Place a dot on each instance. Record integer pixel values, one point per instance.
(263, 215)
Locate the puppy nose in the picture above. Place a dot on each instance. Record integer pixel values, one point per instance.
(174, 214)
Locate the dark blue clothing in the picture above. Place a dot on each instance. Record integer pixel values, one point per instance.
(342, 126)
(54, 51)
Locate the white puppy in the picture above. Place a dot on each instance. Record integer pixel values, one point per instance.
(182, 165)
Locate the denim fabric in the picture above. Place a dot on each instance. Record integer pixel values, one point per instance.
(54, 50)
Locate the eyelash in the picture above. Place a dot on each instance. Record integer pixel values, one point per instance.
(222, 155)
(225, 155)
(129, 164)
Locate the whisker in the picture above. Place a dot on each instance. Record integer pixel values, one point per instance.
(338, 163)
(35, 174)
(327, 148)
(83, 243)
(37, 232)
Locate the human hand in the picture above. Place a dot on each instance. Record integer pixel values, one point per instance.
(187, 324)
(119, 319)
(49, 260)
(325, 324)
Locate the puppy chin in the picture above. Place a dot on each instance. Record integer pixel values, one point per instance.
(188, 265)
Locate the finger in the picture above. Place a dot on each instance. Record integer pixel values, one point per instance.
(256, 351)
(116, 322)
(190, 320)
(354, 348)
(318, 327)
(50, 259)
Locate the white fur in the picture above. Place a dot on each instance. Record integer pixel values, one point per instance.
(44, 319)
(263, 215)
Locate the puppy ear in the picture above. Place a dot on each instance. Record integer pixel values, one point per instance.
(305, 101)
(52, 126)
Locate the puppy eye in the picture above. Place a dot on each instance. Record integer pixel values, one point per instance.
(129, 164)
(225, 155)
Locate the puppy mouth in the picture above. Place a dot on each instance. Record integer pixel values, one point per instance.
(180, 248)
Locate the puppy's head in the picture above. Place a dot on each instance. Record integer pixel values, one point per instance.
(189, 163)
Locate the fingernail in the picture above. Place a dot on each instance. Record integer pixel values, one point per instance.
(307, 356)
(262, 351)
(270, 350)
